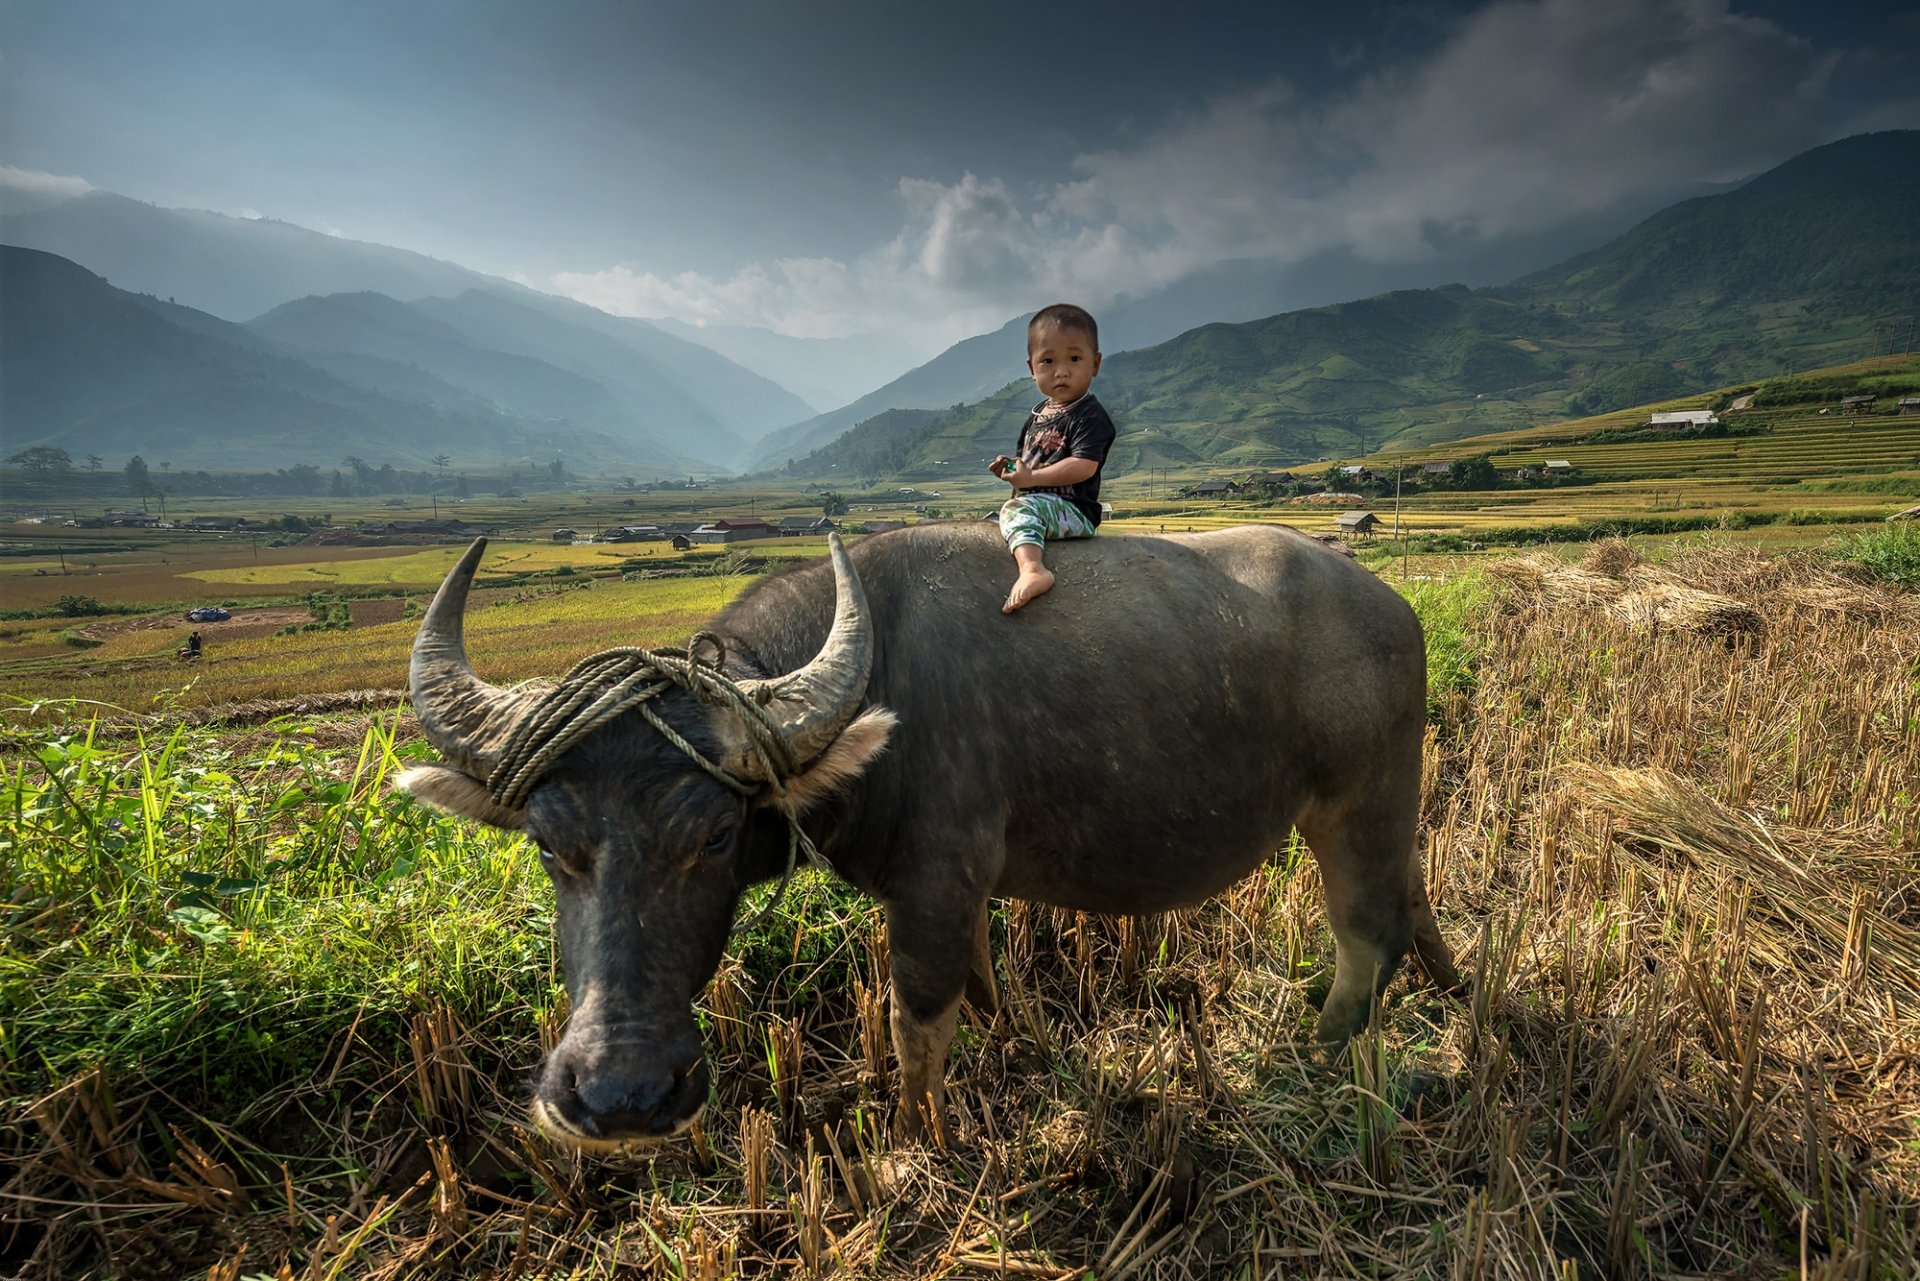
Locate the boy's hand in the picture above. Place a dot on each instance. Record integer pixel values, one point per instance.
(1021, 477)
(998, 467)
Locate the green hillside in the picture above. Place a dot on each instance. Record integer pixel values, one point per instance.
(1790, 271)
(1777, 431)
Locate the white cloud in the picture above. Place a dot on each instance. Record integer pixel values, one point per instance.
(1530, 113)
(24, 189)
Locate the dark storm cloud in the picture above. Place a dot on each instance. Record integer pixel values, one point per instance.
(1523, 116)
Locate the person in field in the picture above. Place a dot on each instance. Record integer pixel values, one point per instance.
(1055, 467)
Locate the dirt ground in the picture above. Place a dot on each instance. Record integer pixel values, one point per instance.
(244, 623)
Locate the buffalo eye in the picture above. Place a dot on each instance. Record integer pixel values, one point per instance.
(721, 838)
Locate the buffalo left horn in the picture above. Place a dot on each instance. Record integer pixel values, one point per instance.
(813, 704)
(465, 718)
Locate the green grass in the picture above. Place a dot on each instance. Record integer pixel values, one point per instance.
(1451, 613)
(1891, 553)
(214, 913)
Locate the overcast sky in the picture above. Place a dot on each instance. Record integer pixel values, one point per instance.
(827, 169)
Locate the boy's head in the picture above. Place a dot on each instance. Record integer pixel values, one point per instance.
(1063, 352)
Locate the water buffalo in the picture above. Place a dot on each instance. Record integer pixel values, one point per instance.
(1137, 741)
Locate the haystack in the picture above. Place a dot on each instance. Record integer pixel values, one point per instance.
(1610, 556)
(1544, 575)
(1674, 607)
(1647, 598)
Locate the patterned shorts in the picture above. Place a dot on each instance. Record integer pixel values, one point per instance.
(1035, 518)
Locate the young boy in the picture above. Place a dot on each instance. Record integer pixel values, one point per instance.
(1055, 467)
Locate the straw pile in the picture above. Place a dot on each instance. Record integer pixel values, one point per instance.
(1641, 596)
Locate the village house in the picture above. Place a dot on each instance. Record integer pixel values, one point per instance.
(565, 535)
(1685, 418)
(1556, 467)
(805, 527)
(1358, 474)
(733, 529)
(1858, 404)
(1436, 468)
(1215, 489)
(634, 534)
(1910, 404)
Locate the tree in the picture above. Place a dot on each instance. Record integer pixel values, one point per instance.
(139, 479)
(832, 505)
(1473, 473)
(94, 461)
(42, 462)
(558, 469)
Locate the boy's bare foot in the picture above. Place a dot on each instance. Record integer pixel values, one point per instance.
(1031, 583)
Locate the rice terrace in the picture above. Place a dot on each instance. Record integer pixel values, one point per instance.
(262, 1015)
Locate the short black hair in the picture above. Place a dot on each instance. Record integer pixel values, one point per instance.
(1064, 315)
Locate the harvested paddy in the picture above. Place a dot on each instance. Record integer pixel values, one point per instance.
(1681, 867)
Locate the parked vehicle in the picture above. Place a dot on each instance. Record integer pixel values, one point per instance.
(208, 614)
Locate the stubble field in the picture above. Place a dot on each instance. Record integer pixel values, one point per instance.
(262, 1016)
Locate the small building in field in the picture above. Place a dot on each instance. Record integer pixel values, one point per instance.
(1910, 404)
(1358, 474)
(1685, 418)
(1858, 404)
(1215, 489)
(806, 526)
(733, 529)
(565, 535)
(1272, 479)
(1361, 523)
(1556, 467)
(1436, 468)
(680, 542)
(634, 534)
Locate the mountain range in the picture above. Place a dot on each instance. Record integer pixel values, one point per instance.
(1790, 270)
(673, 397)
(95, 369)
(263, 322)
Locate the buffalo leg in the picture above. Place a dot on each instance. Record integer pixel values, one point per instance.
(982, 992)
(1365, 852)
(932, 959)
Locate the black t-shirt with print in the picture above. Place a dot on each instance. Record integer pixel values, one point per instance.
(1081, 430)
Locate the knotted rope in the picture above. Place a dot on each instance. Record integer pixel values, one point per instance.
(607, 685)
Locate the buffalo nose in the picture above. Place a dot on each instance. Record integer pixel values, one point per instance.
(640, 1103)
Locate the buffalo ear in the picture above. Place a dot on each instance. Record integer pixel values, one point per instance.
(448, 789)
(845, 759)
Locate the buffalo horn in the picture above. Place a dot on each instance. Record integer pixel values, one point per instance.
(812, 705)
(463, 716)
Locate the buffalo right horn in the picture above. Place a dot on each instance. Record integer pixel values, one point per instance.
(814, 703)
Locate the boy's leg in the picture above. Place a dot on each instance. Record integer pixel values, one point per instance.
(1026, 522)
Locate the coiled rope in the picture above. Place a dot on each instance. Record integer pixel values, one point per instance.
(607, 685)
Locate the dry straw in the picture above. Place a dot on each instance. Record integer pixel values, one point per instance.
(1688, 891)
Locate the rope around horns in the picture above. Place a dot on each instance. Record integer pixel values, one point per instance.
(604, 686)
